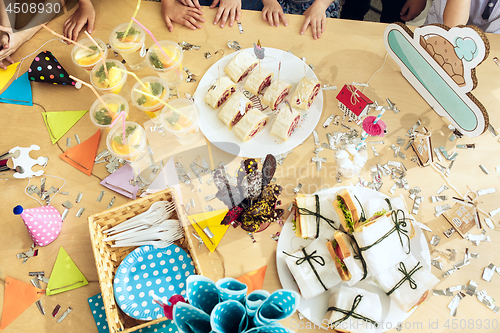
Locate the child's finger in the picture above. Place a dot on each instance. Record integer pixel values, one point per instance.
(218, 15)
(225, 16)
(214, 4)
(323, 24)
(194, 19)
(264, 14)
(238, 13)
(197, 4)
(313, 29)
(270, 18)
(283, 18)
(276, 18)
(304, 26)
(90, 24)
(9, 59)
(79, 26)
(170, 26)
(69, 34)
(232, 15)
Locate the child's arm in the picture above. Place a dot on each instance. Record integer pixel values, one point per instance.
(173, 11)
(456, 12)
(85, 14)
(316, 17)
(227, 8)
(411, 9)
(272, 13)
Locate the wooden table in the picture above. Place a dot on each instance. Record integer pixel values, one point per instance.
(348, 51)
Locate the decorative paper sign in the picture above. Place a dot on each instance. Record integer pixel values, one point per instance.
(6, 75)
(212, 221)
(423, 148)
(461, 217)
(119, 181)
(440, 64)
(254, 280)
(58, 123)
(45, 68)
(17, 298)
(65, 275)
(82, 156)
(19, 92)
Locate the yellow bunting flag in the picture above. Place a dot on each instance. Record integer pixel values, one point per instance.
(6, 75)
(211, 220)
(65, 275)
(59, 122)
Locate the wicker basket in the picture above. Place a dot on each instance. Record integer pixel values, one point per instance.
(108, 259)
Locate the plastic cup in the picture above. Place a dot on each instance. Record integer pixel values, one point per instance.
(114, 83)
(101, 117)
(134, 144)
(185, 123)
(170, 70)
(157, 87)
(131, 48)
(84, 59)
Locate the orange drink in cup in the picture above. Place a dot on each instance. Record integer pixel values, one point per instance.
(130, 47)
(85, 59)
(168, 67)
(182, 120)
(103, 115)
(114, 82)
(134, 144)
(154, 86)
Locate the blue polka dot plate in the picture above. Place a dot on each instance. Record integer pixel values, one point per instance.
(162, 271)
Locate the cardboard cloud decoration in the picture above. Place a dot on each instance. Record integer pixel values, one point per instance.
(440, 63)
(45, 68)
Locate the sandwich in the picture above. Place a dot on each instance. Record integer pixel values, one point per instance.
(258, 81)
(251, 124)
(232, 112)
(305, 93)
(339, 250)
(315, 216)
(285, 123)
(239, 67)
(220, 92)
(348, 209)
(275, 94)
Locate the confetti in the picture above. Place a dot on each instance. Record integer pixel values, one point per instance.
(483, 168)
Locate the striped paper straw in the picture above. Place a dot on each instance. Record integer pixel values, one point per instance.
(378, 117)
(364, 135)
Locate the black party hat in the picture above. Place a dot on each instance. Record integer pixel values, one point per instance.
(46, 68)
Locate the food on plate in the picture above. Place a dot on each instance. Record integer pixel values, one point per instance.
(251, 124)
(313, 268)
(275, 94)
(350, 161)
(259, 80)
(407, 282)
(239, 67)
(220, 92)
(365, 306)
(285, 122)
(305, 93)
(237, 106)
(348, 209)
(315, 216)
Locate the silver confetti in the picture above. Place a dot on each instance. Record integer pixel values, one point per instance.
(408, 145)
(495, 212)
(402, 155)
(192, 202)
(488, 272)
(454, 303)
(209, 197)
(435, 240)
(437, 292)
(64, 315)
(99, 198)
(400, 141)
(297, 188)
(64, 214)
(483, 168)
(276, 236)
(483, 297)
(240, 27)
(77, 139)
(328, 121)
(68, 142)
(375, 152)
(111, 203)
(471, 288)
(42, 185)
(376, 142)
(67, 204)
(467, 146)
(436, 198)
(290, 207)
(188, 46)
(328, 87)
(207, 55)
(453, 254)
(338, 177)
(442, 207)
(492, 130)
(64, 193)
(188, 207)
(232, 44)
(416, 204)
(316, 138)
(80, 212)
(414, 127)
(392, 106)
(79, 197)
(489, 223)
(449, 232)
(209, 208)
(486, 191)
(442, 189)
(438, 154)
(437, 264)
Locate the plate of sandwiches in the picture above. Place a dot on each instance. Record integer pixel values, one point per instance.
(245, 102)
(352, 247)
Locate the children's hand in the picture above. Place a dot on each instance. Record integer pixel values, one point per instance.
(316, 17)
(411, 9)
(172, 11)
(4, 50)
(85, 14)
(191, 3)
(272, 13)
(227, 9)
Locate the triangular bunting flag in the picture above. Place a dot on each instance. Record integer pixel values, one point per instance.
(19, 92)
(119, 181)
(211, 220)
(254, 280)
(46, 68)
(59, 122)
(6, 75)
(18, 297)
(82, 156)
(65, 275)
(167, 177)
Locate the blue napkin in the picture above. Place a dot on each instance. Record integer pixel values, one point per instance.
(97, 307)
(280, 305)
(229, 317)
(190, 319)
(202, 293)
(273, 328)
(254, 301)
(231, 289)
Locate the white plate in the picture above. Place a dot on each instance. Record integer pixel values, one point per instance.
(292, 71)
(315, 308)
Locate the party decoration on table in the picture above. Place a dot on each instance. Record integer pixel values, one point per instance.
(22, 162)
(144, 272)
(463, 215)
(168, 304)
(254, 280)
(65, 275)
(209, 228)
(259, 51)
(119, 181)
(45, 68)
(59, 122)
(6, 75)
(253, 201)
(19, 92)
(374, 126)
(353, 102)
(18, 296)
(440, 63)
(350, 159)
(97, 307)
(422, 147)
(82, 156)
(44, 223)
(225, 307)
(167, 177)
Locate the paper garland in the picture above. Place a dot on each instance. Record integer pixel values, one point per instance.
(82, 156)
(6, 75)
(212, 221)
(60, 122)
(65, 275)
(19, 92)
(119, 181)
(255, 279)
(45, 68)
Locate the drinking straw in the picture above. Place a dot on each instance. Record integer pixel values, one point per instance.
(364, 135)
(133, 16)
(161, 101)
(135, 76)
(378, 117)
(101, 51)
(122, 115)
(93, 90)
(66, 39)
(152, 36)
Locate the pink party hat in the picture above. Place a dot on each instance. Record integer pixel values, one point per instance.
(43, 223)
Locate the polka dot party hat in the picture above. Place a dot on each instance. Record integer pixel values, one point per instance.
(46, 68)
(44, 223)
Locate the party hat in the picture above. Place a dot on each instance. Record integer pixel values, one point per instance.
(65, 275)
(19, 92)
(18, 297)
(46, 68)
(59, 123)
(6, 75)
(44, 223)
(82, 156)
(119, 181)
